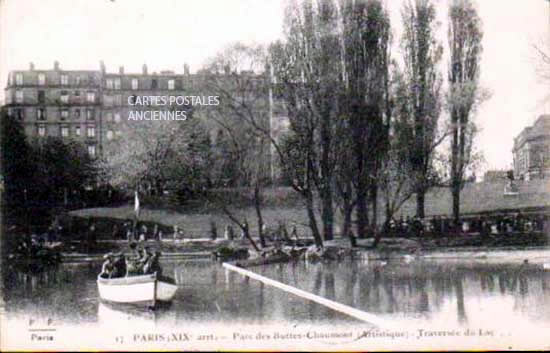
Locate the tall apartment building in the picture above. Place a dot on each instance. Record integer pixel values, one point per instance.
(57, 103)
(532, 150)
(89, 105)
(85, 105)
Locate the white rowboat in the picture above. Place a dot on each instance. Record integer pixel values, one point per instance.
(135, 289)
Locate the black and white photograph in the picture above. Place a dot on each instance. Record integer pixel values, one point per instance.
(274, 175)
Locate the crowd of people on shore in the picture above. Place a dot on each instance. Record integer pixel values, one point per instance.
(484, 225)
(141, 261)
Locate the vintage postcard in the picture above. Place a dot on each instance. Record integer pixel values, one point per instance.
(274, 175)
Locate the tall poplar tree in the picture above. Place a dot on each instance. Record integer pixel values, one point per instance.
(465, 44)
(421, 54)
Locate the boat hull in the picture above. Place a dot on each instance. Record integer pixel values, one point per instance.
(135, 289)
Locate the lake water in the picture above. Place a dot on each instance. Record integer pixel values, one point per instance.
(455, 294)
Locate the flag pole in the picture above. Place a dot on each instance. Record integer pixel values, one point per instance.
(136, 210)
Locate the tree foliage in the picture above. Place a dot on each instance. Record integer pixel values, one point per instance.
(421, 105)
(41, 174)
(464, 94)
(158, 155)
(241, 120)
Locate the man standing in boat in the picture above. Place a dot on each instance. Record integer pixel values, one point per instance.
(144, 259)
(132, 262)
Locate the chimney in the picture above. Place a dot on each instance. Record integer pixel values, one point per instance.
(102, 67)
(56, 65)
(144, 69)
(31, 66)
(186, 69)
(121, 70)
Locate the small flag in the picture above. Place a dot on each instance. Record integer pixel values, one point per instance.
(136, 204)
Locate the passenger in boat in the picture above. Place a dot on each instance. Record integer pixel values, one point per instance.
(108, 268)
(145, 257)
(133, 262)
(153, 265)
(119, 265)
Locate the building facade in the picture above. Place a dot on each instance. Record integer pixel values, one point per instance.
(55, 102)
(91, 106)
(532, 150)
(84, 105)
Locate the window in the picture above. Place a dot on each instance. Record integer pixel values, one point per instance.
(91, 150)
(89, 114)
(41, 79)
(90, 97)
(109, 134)
(8, 97)
(154, 83)
(64, 80)
(77, 131)
(118, 133)
(77, 114)
(64, 97)
(117, 117)
(118, 99)
(18, 96)
(109, 83)
(171, 84)
(19, 114)
(90, 131)
(64, 131)
(19, 79)
(108, 100)
(64, 114)
(41, 130)
(41, 97)
(109, 116)
(77, 80)
(135, 83)
(117, 83)
(77, 93)
(41, 114)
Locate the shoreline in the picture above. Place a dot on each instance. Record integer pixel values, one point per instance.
(361, 254)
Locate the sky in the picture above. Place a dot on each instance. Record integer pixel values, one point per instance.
(165, 34)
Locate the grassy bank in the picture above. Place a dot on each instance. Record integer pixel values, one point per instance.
(486, 197)
(283, 205)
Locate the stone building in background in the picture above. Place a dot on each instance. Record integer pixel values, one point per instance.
(92, 106)
(57, 102)
(83, 105)
(532, 150)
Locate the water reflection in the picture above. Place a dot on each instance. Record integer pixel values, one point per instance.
(458, 293)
